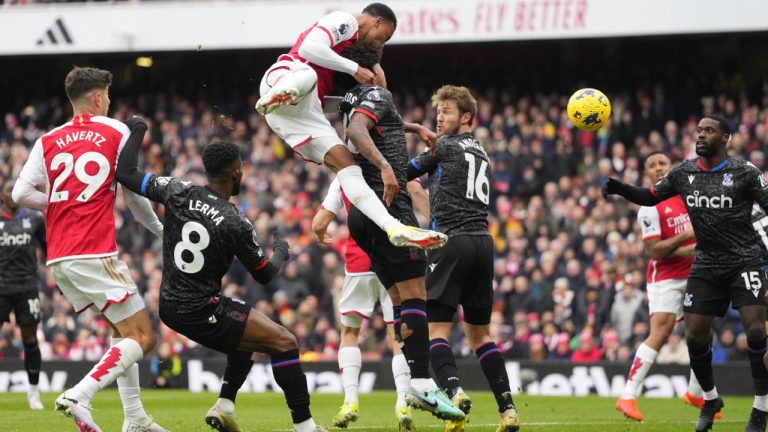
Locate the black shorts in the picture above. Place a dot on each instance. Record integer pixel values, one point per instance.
(711, 291)
(461, 273)
(24, 304)
(391, 264)
(220, 329)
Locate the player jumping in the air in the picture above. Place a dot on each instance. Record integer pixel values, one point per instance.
(292, 92)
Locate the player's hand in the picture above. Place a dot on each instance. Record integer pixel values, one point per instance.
(364, 75)
(380, 79)
(688, 233)
(132, 122)
(321, 236)
(610, 187)
(282, 246)
(390, 184)
(428, 137)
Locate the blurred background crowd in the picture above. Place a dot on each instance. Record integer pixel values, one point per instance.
(569, 266)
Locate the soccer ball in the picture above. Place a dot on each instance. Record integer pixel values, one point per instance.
(589, 109)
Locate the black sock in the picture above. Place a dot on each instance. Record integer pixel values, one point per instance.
(756, 352)
(397, 323)
(286, 368)
(238, 367)
(414, 318)
(495, 372)
(32, 362)
(444, 365)
(701, 363)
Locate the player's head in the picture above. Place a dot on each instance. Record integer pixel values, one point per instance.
(364, 53)
(456, 109)
(657, 165)
(88, 89)
(5, 195)
(223, 164)
(712, 135)
(377, 23)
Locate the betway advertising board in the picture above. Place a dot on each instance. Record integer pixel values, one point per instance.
(212, 25)
(533, 378)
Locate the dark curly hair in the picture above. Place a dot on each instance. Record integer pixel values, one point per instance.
(364, 53)
(721, 122)
(81, 80)
(218, 156)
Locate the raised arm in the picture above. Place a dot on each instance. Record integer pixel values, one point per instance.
(127, 172)
(638, 195)
(358, 134)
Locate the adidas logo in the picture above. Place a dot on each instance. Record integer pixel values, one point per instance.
(55, 35)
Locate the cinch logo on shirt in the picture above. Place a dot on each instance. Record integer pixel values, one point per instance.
(697, 200)
(15, 240)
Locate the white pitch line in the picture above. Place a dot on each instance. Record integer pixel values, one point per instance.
(524, 423)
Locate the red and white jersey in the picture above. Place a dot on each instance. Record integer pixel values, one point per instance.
(355, 259)
(663, 221)
(341, 29)
(76, 164)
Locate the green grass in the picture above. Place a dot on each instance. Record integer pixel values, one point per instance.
(181, 411)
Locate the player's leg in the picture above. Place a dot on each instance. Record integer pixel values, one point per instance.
(662, 324)
(27, 311)
(350, 363)
(261, 334)
(284, 83)
(753, 319)
(104, 282)
(400, 370)
(698, 329)
(477, 330)
(129, 388)
(342, 162)
(221, 416)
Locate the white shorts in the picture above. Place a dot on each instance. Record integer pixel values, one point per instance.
(103, 284)
(359, 295)
(302, 124)
(667, 296)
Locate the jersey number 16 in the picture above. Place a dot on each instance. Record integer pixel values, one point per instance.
(477, 184)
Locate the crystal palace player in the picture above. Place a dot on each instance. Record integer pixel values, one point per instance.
(75, 164)
(361, 290)
(372, 122)
(292, 90)
(203, 233)
(21, 232)
(729, 266)
(668, 239)
(461, 272)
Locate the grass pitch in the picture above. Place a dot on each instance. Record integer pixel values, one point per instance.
(182, 411)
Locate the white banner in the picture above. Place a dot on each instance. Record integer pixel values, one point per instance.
(187, 26)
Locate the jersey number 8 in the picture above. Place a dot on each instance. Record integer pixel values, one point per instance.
(194, 248)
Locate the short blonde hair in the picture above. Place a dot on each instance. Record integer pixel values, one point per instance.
(459, 94)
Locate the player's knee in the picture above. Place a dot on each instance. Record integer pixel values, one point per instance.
(147, 340)
(286, 341)
(696, 341)
(756, 333)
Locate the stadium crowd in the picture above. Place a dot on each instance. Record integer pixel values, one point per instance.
(570, 267)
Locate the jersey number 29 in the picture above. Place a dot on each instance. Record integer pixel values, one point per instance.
(92, 182)
(195, 248)
(477, 184)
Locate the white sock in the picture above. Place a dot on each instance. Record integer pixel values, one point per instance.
(423, 384)
(761, 403)
(364, 198)
(694, 388)
(119, 358)
(350, 362)
(644, 359)
(402, 374)
(225, 405)
(129, 388)
(305, 426)
(32, 389)
(711, 395)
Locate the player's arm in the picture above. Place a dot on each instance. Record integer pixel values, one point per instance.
(686, 251)
(422, 164)
(328, 211)
(757, 186)
(317, 46)
(663, 189)
(25, 191)
(426, 135)
(250, 254)
(143, 212)
(419, 197)
(671, 247)
(41, 239)
(126, 172)
(358, 134)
